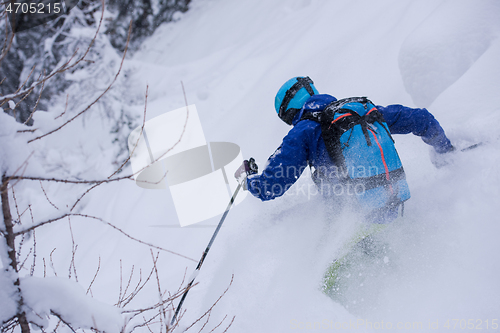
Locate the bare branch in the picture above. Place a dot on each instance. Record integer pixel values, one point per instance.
(145, 323)
(69, 181)
(219, 324)
(9, 324)
(24, 261)
(206, 322)
(101, 220)
(130, 280)
(152, 307)
(17, 207)
(57, 326)
(213, 305)
(121, 283)
(23, 84)
(84, 194)
(163, 316)
(31, 130)
(7, 179)
(52, 262)
(74, 247)
(229, 325)
(137, 289)
(98, 98)
(36, 104)
(11, 250)
(7, 219)
(65, 107)
(27, 208)
(44, 268)
(22, 93)
(40, 224)
(130, 177)
(32, 270)
(8, 41)
(159, 157)
(61, 319)
(138, 138)
(46, 197)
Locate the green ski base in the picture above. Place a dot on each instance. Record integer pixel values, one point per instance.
(330, 280)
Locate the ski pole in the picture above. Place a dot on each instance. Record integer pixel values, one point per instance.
(197, 270)
(474, 146)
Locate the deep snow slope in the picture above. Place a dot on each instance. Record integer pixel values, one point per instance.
(232, 57)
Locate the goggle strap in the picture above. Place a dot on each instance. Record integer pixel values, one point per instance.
(302, 82)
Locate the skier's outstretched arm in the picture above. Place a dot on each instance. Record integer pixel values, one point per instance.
(404, 120)
(284, 167)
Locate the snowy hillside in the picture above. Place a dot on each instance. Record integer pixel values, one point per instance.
(232, 57)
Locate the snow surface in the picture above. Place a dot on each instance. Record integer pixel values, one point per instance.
(232, 57)
(8, 305)
(69, 301)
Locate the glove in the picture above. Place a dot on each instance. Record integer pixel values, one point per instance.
(249, 167)
(441, 159)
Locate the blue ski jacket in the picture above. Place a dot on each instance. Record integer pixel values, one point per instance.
(303, 146)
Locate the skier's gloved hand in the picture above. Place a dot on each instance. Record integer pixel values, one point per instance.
(249, 167)
(440, 159)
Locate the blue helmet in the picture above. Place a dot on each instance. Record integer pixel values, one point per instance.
(292, 96)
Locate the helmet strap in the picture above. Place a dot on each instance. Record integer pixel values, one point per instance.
(289, 115)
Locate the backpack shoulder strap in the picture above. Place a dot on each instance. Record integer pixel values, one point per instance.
(314, 116)
(338, 105)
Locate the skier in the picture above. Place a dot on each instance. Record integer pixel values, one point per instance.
(298, 103)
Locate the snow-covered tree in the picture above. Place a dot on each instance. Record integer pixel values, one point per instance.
(60, 81)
